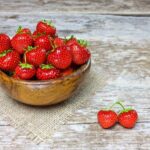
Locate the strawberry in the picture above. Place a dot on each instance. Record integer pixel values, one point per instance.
(67, 71)
(46, 27)
(4, 42)
(36, 34)
(44, 41)
(61, 58)
(46, 72)
(71, 40)
(127, 117)
(20, 42)
(25, 71)
(35, 56)
(58, 42)
(107, 118)
(23, 30)
(80, 54)
(9, 59)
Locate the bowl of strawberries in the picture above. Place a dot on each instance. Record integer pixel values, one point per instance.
(40, 68)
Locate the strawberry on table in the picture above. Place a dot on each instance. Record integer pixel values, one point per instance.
(4, 42)
(35, 56)
(44, 41)
(21, 41)
(46, 72)
(9, 59)
(61, 58)
(127, 117)
(23, 30)
(107, 118)
(47, 27)
(25, 71)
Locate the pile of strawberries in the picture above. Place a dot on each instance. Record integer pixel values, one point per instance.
(41, 55)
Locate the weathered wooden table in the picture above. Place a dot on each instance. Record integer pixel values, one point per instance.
(119, 32)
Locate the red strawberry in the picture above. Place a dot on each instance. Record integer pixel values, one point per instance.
(36, 34)
(44, 41)
(23, 30)
(61, 58)
(58, 42)
(67, 71)
(71, 40)
(80, 54)
(20, 42)
(46, 27)
(9, 60)
(107, 118)
(46, 72)
(35, 56)
(4, 42)
(127, 117)
(25, 71)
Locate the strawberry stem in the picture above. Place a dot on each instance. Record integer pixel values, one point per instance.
(119, 103)
(116, 103)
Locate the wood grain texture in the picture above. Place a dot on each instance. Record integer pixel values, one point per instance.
(77, 6)
(123, 47)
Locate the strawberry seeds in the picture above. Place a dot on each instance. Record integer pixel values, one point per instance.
(41, 55)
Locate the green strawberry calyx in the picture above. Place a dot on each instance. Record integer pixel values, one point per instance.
(25, 66)
(67, 38)
(29, 48)
(5, 53)
(46, 66)
(83, 43)
(19, 30)
(48, 22)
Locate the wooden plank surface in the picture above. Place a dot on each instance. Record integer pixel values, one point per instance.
(120, 45)
(77, 6)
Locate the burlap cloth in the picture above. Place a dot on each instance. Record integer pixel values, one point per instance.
(40, 123)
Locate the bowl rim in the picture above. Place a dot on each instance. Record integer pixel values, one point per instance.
(79, 71)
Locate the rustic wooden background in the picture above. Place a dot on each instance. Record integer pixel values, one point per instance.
(119, 31)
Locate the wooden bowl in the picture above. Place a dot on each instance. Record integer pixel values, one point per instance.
(40, 93)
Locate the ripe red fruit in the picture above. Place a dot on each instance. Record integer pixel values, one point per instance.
(35, 56)
(44, 42)
(23, 30)
(4, 42)
(80, 54)
(20, 42)
(58, 42)
(67, 71)
(107, 118)
(127, 118)
(25, 71)
(46, 27)
(61, 58)
(71, 40)
(9, 60)
(46, 72)
(36, 34)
